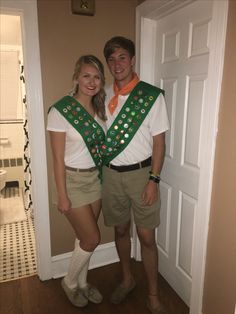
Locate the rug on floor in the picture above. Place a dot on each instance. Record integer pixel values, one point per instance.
(17, 250)
(12, 208)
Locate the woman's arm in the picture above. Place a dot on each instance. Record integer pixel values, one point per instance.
(58, 151)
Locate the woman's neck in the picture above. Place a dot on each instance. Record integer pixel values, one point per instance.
(86, 102)
(121, 83)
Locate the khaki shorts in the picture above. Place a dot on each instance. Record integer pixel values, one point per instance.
(82, 188)
(121, 198)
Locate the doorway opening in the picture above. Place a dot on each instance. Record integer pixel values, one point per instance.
(16, 208)
(27, 10)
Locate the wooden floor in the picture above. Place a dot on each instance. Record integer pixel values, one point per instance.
(31, 296)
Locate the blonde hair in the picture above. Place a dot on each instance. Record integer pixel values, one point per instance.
(98, 100)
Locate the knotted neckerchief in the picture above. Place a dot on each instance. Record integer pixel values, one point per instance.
(124, 91)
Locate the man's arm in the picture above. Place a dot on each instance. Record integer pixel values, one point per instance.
(150, 192)
(158, 153)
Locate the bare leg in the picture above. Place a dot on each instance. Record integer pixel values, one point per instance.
(96, 207)
(82, 279)
(85, 226)
(84, 223)
(150, 261)
(123, 246)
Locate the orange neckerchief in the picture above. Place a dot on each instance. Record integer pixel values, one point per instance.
(123, 91)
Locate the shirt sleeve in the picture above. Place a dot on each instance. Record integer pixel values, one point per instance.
(56, 122)
(159, 121)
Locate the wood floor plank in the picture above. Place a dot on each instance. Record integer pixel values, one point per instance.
(32, 296)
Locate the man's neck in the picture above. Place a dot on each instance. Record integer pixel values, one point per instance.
(124, 82)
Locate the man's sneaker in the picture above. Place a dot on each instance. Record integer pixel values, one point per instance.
(75, 296)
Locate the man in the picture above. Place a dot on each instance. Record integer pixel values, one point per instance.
(135, 148)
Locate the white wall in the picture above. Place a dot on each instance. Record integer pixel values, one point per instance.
(11, 149)
(11, 113)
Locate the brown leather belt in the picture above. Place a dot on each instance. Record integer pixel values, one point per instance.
(139, 165)
(81, 170)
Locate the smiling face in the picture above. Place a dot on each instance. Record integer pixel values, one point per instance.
(121, 66)
(89, 81)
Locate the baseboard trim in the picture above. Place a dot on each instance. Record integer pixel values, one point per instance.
(104, 254)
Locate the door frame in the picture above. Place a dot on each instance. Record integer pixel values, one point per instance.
(145, 24)
(27, 10)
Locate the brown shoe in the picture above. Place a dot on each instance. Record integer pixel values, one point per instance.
(92, 294)
(121, 292)
(74, 295)
(158, 310)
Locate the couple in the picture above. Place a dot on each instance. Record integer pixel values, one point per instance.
(127, 160)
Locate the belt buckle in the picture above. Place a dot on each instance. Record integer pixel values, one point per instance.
(140, 165)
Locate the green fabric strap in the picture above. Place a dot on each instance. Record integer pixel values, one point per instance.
(91, 132)
(129, 119)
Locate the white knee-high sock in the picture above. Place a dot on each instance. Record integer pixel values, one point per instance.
(82, 280)
(78, 261)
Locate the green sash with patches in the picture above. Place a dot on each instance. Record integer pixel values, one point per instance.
(91, 132)
(129, 119)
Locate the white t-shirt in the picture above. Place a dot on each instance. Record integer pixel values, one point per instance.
(140, 147)
(76, 152)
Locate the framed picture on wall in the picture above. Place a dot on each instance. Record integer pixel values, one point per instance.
(83, 7)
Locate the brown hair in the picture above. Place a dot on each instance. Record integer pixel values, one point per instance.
(119, 42)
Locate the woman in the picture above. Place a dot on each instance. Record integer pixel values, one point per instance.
(75, 125)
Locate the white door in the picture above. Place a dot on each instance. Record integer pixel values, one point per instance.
(182, 56)
(177, 46)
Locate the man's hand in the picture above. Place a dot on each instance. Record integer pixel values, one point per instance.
(150, 193)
